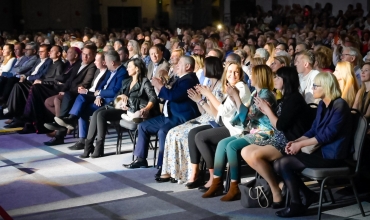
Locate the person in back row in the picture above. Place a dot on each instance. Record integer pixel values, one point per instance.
(304, 63)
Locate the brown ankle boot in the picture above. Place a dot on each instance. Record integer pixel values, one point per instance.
(233, 193)
(216, 189)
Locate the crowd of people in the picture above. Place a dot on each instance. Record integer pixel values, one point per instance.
(217, 94)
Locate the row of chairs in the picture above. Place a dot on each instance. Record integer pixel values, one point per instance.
(349, 171)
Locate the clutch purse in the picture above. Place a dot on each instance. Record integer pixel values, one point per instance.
(118, 103)
(310, 149)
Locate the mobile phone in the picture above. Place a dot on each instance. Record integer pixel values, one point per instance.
(195, 122)
(214, 124)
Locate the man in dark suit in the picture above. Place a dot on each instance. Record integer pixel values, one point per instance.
(81, 78)
(177, 109)
(34, 110)
(25, 62)
(158, 62)
(19, 93)
(90, 100)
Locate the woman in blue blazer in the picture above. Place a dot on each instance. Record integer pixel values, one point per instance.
(329, 131)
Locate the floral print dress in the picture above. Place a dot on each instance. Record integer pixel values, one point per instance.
(176, 158)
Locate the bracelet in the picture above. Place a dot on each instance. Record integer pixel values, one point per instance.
(202, 103)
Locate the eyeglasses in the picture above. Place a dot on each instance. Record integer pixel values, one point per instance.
(314, 86)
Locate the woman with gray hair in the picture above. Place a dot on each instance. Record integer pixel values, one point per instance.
(262, 53)
(134, 50)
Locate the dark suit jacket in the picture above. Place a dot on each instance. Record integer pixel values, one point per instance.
(114, 85)
(331, 129)
(83, 78)
(61, 79)
(24, 65)
(55, 69)
(163, 64)
(42, 70)
(181, 107)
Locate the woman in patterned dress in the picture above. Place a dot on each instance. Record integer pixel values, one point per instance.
(292, 119)
(176, 158)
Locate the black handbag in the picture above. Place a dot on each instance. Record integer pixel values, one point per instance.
(255, 194)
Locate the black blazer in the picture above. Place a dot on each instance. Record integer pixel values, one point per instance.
(83, 78)
(61, 79)
(55, 69)
(139, 95)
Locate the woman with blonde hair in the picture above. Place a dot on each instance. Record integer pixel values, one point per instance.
(250, 50)
(198, 68)
(362, 101)
(9, 57)
(347, 81)
(330, 131)
(202, 142)
(134, 50)
(250, 118)
(271, 50)
(173, 40)
(210, 44)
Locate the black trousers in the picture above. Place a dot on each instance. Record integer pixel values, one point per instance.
(98, 123)
(203, 141)
(18, 98)
(6, 86)
(67, 103)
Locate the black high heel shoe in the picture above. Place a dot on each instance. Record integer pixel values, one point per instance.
(197, 183)
(99, 149)
(292, 211)
(278, 205)
(167, 179)
(88, 149)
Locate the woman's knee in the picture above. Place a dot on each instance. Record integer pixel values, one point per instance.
(282, 164)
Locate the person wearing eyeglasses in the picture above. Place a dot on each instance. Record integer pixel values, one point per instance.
(353, 56)
(304, 63)
(330, 131)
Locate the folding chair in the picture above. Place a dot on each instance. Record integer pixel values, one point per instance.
(350, 171)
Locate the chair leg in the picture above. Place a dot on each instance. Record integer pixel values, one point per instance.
(331, 195)
(357, 199)
(118, 140)
(155, 150)
(134, 142)
(228, 180)
(320, 201)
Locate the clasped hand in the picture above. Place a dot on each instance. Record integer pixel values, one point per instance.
(293, 147)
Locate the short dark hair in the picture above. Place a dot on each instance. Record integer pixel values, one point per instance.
(120, 41)
(20, 43)
(285, 46)
(91, 47)
(46, 46)
(60, 49)
(124, 49)
(290, 80)
(213, 67)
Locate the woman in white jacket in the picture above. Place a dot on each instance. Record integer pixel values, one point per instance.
(203, 140)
